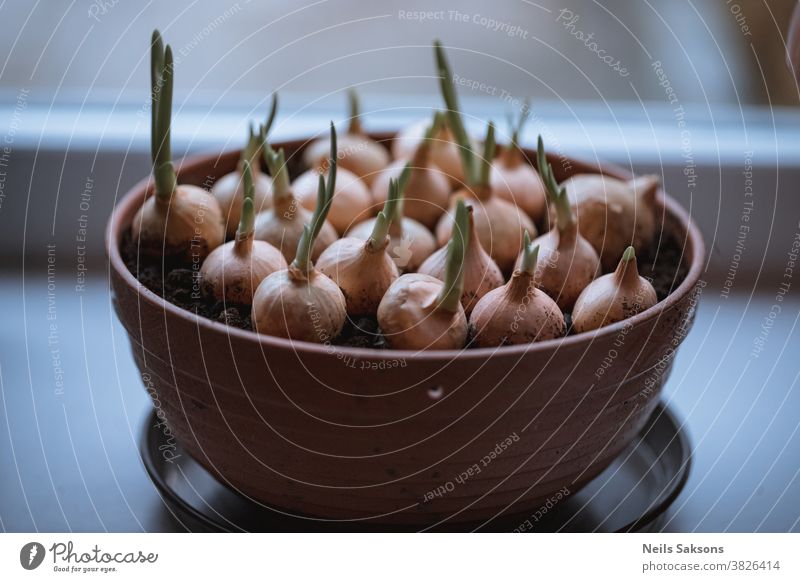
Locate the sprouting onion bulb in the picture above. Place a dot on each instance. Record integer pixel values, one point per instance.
(427, 190)
(514, 179)
(358, 153)
(352, 202)
(228, 189)
(614, 297)
(498, 223)
(364, 269)
(481, 273)
(180, 222)
(410, 242)
(300, 302)
(233, 271)
(283, 224)
(567, 262)
(444, 149)
(420, 312)
(518, 312)
(612, 214)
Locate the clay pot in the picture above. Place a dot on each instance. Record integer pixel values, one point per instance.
(397, 436)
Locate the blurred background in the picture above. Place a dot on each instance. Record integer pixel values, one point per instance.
(677, 87)
(95, 53)
(696, 90)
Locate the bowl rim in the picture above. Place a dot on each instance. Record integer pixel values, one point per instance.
(124, 210)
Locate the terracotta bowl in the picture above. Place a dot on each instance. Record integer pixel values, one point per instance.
(395, 436)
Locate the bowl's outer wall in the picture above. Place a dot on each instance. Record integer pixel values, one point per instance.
(347, 434)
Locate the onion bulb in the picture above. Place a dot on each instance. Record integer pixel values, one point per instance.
(444, 149)
(228, 190)
(352, 202)
(481, 273)
(567, 262)
(498, 223)
(358, 152)
(233, 271)
(613, 214)
(517, 312)
(513, 179)
(300, 302)
(179, 222)
(614, 297)
(427, 190)
(410, 242)
(420, 312)
(283, 224)
(364, 269)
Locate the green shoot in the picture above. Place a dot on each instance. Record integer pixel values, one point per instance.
(516, 129)
(489, 146)
(252, 149)
(355, 112)
(256, 139)
(627, 270)
(629, 255)
(156, 67)
(276, 162)
(450, 296)
(161, 76)
(247, 221)
(302, 259)
(396, 227)
(530, 255)
(385, 217)
(273, 110)
(423, 149)
(454, 114)
(435, 126)
(402, 180)
(557, 195)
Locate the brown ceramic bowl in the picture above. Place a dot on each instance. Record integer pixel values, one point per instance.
(396, 436)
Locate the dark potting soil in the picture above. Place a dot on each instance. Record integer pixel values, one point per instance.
(181, 286)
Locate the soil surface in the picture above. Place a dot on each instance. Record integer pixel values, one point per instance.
(178, 285)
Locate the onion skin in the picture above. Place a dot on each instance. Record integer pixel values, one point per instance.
(352, 201)
(233, 271)
(567, 264)
(362, 274)
(228, 192)
(282, 227)
(186, 227)
(516, 313)
(358, 154)
(427, 192)
(481, 273)
(613, 297)
(300, 302)
(514, 180)
(409, 246)
(444, 153)
(411, 320)
(612, 214)
(499, 224)
(291, 305)
(229, 189)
